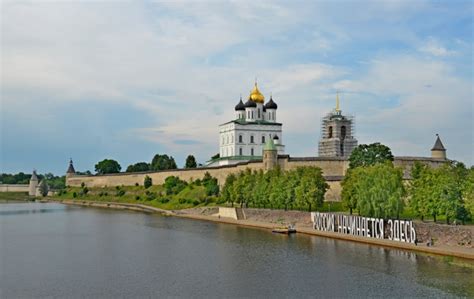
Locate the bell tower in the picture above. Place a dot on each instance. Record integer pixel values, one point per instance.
(337, 132)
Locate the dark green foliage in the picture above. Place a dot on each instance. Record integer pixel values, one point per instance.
(303, 188)
(44, 188)
(74, 194)
(370, 154)
(216, 156)
(19, 178)
(164, 200)
(150, 195)
(212, 187)
(107, 166)
(137, 184)
(195, 202)
(190, 162)
(173, 185)
(147, 182)
(182, 200)
(120, 193)
(83, 184)
(162, 162)
(138, 167)
(137, 197)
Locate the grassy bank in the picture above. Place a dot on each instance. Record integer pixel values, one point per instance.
(155, 196)
(13, 196)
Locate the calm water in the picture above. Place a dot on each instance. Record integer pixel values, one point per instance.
(51, 250)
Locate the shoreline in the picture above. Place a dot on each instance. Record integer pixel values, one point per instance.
(442, 251)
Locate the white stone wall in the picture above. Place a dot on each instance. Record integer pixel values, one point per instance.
(14, 188)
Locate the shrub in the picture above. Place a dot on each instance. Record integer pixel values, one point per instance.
(74, 194)
(137, 197)
(150, 196)
(182, 200)
(136, 184)
(120, 193)
(164, 200)
(196, 202)
(83, 184)
(147, 182)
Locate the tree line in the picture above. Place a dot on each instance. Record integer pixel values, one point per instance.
(301, 189)
(375, 188)
(159, 162)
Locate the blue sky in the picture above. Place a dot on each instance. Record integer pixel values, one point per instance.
(95, 80)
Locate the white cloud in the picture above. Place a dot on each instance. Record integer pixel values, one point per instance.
(433, 47)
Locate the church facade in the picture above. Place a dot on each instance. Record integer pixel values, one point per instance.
(243, 138)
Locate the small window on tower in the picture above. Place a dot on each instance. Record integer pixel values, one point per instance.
(258, 113)
(240, 151)
(251, 151)
(240, 139)
(330, 132)
(263, 139)
(251, 139)
(343, 132)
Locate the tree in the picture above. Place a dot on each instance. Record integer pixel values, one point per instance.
(43, 188)
(163, 162)
(138, 167)
(376, 191)
(468, 193)
(370, 154)
(107, 166)
(147, 182)
(226, 193)
(190, 162)
(312, 187)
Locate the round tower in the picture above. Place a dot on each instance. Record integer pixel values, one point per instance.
(70, 170)
(270, 155)
(438, 151)
(33, 184)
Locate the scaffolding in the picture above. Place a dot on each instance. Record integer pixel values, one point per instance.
(337, 135)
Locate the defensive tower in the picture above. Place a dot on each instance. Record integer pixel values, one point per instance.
(438, 151)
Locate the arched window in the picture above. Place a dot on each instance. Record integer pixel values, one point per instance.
(252, 114)
(258, 110)
(251, 151)
(263, 138)
(240, 151)
(251, 139)
(330, 132)
(343, 132)
(240, 139)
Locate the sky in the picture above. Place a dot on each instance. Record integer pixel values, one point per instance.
(91, 80)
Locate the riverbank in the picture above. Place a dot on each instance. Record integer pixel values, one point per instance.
(269, 219)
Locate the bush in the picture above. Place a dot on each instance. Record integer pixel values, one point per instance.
(147, 183)
(136, 184)
(137, 197)
(120, 193)
(196, 202)
(164, 200)
(150, 196)
(83, 185)
(74, 194)
(182, 200)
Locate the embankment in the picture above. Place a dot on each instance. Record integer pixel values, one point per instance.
(446, 237)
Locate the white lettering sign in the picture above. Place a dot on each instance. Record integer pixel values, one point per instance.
(398, 230)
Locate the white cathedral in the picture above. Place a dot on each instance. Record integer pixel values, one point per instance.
(243, 138)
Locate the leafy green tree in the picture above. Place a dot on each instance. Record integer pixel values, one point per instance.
(376, 191)
(44, 188)
(348, 193)
(370, 154)
(147, 182)
(311, 188)
(173, 185)
(468, 193)
(191, 162)
(227, 190)
(107, 166)
(163, 162)
(138, 167)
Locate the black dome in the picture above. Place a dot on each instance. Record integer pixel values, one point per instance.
(240, 106)
(250, 104)
(275, 137)
(271, 104)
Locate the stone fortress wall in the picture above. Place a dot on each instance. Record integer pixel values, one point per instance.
(333, 169)
(14, 188)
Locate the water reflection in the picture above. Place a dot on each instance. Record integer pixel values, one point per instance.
(84, 252)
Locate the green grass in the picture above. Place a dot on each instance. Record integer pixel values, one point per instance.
(191, 196)
(13, 196)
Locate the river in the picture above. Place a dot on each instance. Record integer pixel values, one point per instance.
(53, 250)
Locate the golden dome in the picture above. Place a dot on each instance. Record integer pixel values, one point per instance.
(256, 95)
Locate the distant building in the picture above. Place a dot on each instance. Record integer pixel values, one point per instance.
(33, 184)
(438, 151)
(243, 138)
(337, 134)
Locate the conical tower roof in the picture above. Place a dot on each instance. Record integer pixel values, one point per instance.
(34, 176)
(71, 167)
(438, 146)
